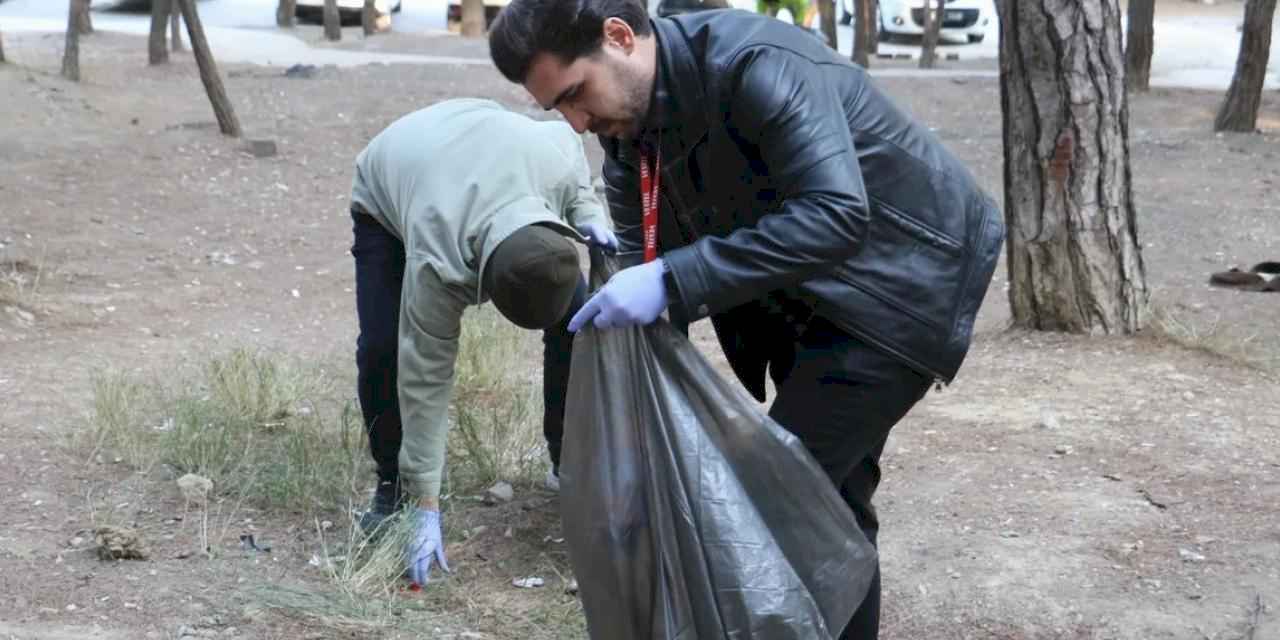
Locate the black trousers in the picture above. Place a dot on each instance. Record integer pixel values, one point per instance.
(380, 263)
(841, 398)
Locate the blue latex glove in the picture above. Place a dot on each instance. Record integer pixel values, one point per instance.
(633, 296)
(425, 546)
(600, 236)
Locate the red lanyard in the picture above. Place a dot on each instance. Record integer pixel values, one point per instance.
(649, 200)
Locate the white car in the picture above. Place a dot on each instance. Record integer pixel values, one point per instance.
(348, 10)
(962, 20)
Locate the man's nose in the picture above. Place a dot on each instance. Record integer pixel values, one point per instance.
(578, 119)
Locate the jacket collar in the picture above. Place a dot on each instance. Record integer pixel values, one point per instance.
(677, 104)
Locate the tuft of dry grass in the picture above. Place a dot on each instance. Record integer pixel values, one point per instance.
(1178, 326)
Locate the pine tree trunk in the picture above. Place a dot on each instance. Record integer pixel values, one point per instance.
(86, 21)
(827, 17)
(369, 18)
(864, 31)
(222, 108)
(932, 31)
(285, 13)
(1, 47)
(1074, 260)
(71, 52)
(332, 21)
(175, 25)
(473, 22)
(1239, 110)
(1139, 44)
(157, 48)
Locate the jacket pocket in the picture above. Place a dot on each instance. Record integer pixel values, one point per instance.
(918, 230)
(910, 269)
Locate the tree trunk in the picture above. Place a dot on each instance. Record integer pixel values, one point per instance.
(473, 22)
(175, 25)
(864, 31)
(1139, 44)
(827, 16)
(71, 51)
(932, 31)
(1074, 260)
(1, 47)
(226, 115)
(285, 13)
(86, 21)
(1239, 111)
(332, 21)
(369, 18)
(157, 48)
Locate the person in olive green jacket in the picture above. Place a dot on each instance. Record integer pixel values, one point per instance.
(453, 205)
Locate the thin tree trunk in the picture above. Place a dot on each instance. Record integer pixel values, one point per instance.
(157, 48)
(864, 31)
(369, 18)
(71, 52)
(285, 13)
(1239, 111)
(932, 31)
(86, 21)
(1074, 260)
(332, 21)
(1139, 44)
(175, 25)
(1, 47)
(473, 22)
(827, 16)
(222, 108)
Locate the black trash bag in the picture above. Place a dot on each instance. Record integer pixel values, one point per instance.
(689, 514)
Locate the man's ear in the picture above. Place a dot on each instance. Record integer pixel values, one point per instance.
(618, 33)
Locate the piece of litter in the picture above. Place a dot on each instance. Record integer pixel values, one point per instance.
(527, 583)
(247, 543)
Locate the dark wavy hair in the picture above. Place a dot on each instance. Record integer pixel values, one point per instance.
(568, 29)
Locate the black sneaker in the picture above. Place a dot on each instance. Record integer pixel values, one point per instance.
(387, 501)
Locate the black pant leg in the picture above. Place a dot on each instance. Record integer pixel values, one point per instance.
(841, 397)
(379, 265)
(557, 356)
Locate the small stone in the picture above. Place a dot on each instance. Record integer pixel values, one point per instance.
(1188, 555)
(1009, 534)
(510, 533)
(532, 582)
(1195, 596)
(76, 541)
(72, 607)
(326, 525)
(119, 543)
(571, 588)
(501, 492)
(262, 148)
(184, 630)
(1062, 450)
(1188, 395)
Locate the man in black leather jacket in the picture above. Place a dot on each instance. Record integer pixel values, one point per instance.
(832, 240)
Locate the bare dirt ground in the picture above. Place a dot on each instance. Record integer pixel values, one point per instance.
(1063, 487)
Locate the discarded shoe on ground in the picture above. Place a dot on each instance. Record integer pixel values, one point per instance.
(1264, 276)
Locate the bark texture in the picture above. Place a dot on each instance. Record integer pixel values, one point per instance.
(86, 20)
(332, 21)
(1139, 44)
(285, 13)
(473, 22)
(175, 25)
(71, 50)
(157, 47)
(369, 18)
(1, 46)
(222, 109)
(1239, 110)
(932, 31)
(865, 38)
(827, 18)
(1074, 260)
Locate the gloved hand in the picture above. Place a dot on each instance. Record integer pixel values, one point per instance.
(600, 236)
(633, 296)
(425, 545)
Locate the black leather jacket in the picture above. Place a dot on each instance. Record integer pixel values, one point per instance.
(787, 174)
